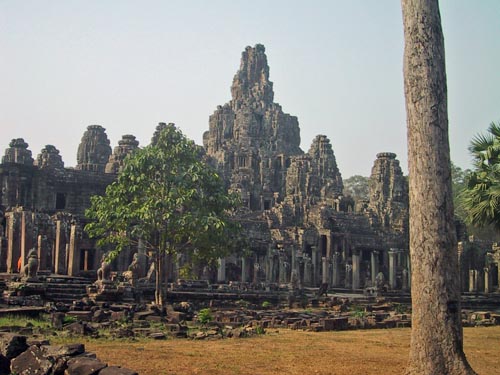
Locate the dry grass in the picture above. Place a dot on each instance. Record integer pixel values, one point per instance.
(290, 352)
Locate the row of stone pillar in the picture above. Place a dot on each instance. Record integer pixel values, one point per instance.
(475, 282)
(60, 254)
(277, 269)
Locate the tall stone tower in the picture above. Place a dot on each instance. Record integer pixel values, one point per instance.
(49, 157)
(94, 150)
(126, 146)
(389, 193)
(250, 138)
(18, 153)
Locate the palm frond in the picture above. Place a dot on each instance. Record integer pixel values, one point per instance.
(494, 129)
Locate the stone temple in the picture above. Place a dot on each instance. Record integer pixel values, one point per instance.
(301, 228)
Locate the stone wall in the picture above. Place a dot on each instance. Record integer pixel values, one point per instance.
(299, 224)
(312, 229)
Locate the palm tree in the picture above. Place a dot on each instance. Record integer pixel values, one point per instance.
(481, 198)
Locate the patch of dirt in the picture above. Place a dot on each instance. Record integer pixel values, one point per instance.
(290, 352)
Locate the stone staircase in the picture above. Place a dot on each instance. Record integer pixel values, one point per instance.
(65, 289)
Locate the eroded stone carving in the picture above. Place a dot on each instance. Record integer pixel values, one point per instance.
(49, 158)
(94, 150)
(125, 147)
(18, 153)
(31, 267)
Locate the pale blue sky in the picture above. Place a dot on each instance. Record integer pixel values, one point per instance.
(336, 65)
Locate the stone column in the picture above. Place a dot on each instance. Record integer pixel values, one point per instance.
(336, 269)
(60, 249)
(308, 272)
(244, 271)
(27, 240)
(42, 252)
(488, 284)
(301, 271)
(348, 276)
(270, 271)
(355, 270)
(374, 267)
(283, 277)
(13, 234)
(315, 266)
(472, 281)
(404, 279)
(329, 246)
(324, 271)
(392, 268)
(143, 259)
(221, 271)
(74, 252)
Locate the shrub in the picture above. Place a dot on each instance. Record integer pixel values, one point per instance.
(266, 304)
(205, 316)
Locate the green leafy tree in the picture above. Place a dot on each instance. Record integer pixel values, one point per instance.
(458, 185)
(357, 187)
(171, 200)
(481, 198)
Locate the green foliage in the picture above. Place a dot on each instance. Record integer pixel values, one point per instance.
(242, 303)
(68, 319)
(481, 198)
(186, 272)
(459, 184)
(205, 316)
(400, 308)
(23, 321)
(358, 311)
(259, 330)
(170, 198)
(266, 304)
(357, 187)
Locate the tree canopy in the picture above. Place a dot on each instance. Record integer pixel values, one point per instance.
(170, 199)
(481, 197)
(357, 187)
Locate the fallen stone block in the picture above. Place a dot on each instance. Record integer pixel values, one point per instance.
(11, 345)
(30, 362)
(84, 366)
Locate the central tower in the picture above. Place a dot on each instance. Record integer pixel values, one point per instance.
(250, 138)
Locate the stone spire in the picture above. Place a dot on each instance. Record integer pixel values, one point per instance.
(49, 158)
(389, 192)
(251, 82)
(325, 167)
(250, 138)
(315, 175)
(94, 150)
(125, 147)
(18, 153)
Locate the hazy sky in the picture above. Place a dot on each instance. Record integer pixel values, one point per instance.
(336, 65)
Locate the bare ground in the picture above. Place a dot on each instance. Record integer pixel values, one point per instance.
(290, 352)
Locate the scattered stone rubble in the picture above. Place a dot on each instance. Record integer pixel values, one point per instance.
(236, 318)
(24, 356)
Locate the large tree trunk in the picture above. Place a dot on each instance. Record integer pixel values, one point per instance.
(436, 339)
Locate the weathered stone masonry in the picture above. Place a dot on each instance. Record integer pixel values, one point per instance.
(300, 223)
(302, 230)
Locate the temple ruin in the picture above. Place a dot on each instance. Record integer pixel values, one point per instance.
(302, 230)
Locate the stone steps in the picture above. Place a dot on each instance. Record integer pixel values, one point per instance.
(65, 289)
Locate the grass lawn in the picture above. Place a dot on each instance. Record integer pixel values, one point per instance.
(290, 352)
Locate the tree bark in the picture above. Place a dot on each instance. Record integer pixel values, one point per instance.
(436, 338)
